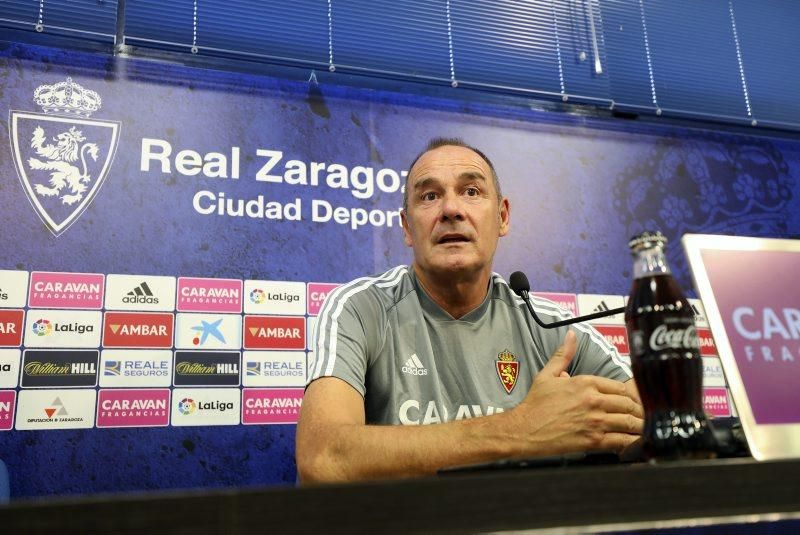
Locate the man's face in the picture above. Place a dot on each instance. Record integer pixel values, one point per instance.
(454, 216)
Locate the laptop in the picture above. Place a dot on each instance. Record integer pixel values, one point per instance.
(750, 289)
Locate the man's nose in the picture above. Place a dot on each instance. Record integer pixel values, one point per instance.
(452, 207)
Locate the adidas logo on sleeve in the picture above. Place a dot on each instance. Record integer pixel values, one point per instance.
(413, 366)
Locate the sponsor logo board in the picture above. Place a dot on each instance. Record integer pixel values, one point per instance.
(707, 346)
(568, 302)
(207, 368)
(592, 303)
(271, 405)
(9, 367)
(209, 295)
(13, 288)
(311, 325)
(274, 332)
(700, 318)
(55, 409)
(64, 368)
(11, 326)
(208, 331)
(712, 372)
(205, 406)
(616, 335)
(716, 402)
(66, 290)
(274, 297)
(62, 328)
(274, 368)
(140, 292)
(138, 329)
(135, 368)
(133, 408)
(8, 399)
(317, 293)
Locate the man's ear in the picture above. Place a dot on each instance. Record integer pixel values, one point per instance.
(505, 216)
(406, 230)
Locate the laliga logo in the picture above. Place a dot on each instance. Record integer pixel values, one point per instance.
(64, 156)
(42, 327)
(257, 296)
(187, 406)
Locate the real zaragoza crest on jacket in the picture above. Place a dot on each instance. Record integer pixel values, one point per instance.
(62, 156)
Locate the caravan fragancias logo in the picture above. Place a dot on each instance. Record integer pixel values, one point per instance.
(62, 156)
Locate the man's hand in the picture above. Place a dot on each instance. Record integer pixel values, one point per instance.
(562, 413)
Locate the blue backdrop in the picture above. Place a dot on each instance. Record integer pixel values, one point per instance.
(579, 188)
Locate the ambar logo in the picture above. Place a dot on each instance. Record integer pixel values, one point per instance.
(66, 290)
(616, 335)
(274, 332)
(11, 327)
(707, 346)
(138, 329)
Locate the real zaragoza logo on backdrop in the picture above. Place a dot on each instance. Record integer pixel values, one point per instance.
(62, 156)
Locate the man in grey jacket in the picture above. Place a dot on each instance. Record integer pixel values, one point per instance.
(445, 341)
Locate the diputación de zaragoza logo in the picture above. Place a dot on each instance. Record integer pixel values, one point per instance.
(62, 157)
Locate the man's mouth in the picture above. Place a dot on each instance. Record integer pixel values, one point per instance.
(453, 238)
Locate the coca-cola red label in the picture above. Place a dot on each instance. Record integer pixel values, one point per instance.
(665, 338)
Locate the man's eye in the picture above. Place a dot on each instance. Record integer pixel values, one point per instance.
(429, 196)
(472, 192)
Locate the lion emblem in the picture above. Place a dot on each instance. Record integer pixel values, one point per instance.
(67, 181)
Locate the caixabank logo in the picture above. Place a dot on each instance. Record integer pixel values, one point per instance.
(62, 157)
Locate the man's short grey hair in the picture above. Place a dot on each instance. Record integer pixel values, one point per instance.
(437, 142)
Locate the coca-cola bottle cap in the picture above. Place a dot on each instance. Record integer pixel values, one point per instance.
(647, 240)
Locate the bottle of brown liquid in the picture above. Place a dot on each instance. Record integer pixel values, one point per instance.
(665, 356)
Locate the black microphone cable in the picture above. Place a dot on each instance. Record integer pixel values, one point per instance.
(520, 285)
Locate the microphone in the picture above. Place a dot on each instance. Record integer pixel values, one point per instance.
(520, 285)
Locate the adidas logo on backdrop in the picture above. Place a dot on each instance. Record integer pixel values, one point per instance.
(413, 366)
(140, 294)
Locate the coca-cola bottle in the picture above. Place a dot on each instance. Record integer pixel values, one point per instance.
(665, 356)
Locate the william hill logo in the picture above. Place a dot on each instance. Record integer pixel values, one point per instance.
(50, 369)
(138, 329)
(198, 368)
(59, 368)
(207, 368)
